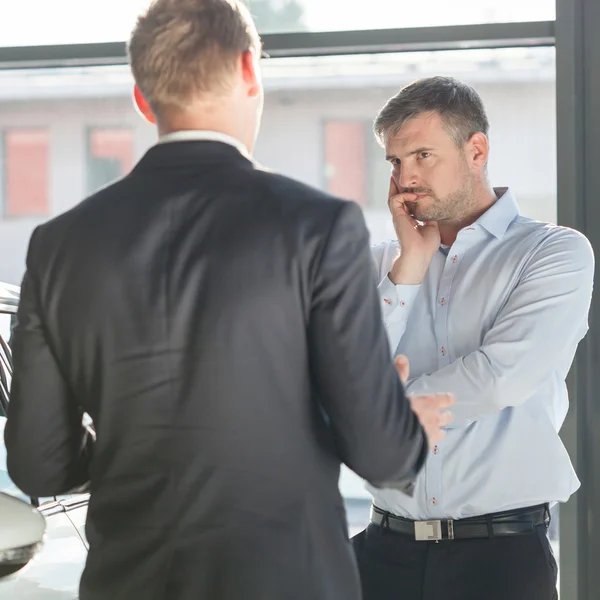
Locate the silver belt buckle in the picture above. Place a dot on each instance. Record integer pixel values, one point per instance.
(428, 531)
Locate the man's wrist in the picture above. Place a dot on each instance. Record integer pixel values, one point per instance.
(405, 272)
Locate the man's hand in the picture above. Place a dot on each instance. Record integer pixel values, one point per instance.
(403, 367)
(430, 410)
(432, 414)
(418, 243)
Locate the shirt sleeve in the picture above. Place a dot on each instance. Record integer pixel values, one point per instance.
(396, 301)
(535, 335)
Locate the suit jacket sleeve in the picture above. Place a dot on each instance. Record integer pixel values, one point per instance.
(45, 439)
(376, 433)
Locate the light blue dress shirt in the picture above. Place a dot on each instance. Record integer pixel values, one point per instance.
(496, 321)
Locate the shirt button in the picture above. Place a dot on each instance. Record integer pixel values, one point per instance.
(435, 449)
(443, 301)
(434, 501)
(454, 258)
(443, 351)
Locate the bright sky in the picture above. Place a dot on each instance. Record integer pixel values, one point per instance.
(39, 22)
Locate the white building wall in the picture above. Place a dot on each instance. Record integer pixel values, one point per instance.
(523, 151)
(523, 146)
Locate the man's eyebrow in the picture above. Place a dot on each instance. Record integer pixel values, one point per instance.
(417, 151)
(422, 149)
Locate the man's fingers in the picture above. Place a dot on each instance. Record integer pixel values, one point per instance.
(432, 411)
(394, 191)
(445, 418)
(403, 368)
(435, 436)
(443, 400)
(396, 203)
(433, 401)
(397, 206)
(400, 215)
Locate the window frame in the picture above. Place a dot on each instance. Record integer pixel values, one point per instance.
(281, 45)
(574, 33)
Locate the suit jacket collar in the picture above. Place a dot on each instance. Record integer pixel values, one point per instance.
(197, 135)
(191, 153)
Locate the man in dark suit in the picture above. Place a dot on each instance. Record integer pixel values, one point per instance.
(221, 326)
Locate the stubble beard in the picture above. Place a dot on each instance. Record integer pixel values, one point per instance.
(454, 208)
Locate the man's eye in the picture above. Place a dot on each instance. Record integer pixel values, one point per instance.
(424, 155)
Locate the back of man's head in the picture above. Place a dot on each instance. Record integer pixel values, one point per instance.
(183, 49)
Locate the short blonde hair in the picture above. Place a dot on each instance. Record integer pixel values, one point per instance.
(182, 48)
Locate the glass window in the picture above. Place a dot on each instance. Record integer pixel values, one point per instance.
(317, 124)
(278, 16)
(26, 170)
(316, 128)
(87, 22)
(110, 156)
(345, 164)
(113, 20)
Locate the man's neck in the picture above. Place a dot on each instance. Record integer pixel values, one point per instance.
(206, 118)
(485, 199)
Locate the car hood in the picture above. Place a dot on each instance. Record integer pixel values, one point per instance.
(9, 297)
(55, 572)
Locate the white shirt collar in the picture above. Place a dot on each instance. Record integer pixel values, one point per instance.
(213, 136)
(501, 214)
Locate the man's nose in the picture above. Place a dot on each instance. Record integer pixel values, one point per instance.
(407, 177)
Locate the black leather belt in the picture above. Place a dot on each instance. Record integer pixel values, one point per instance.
(512, 522)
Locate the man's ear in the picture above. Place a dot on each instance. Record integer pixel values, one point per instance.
(142, 106)
(478, 149)
(250, 72)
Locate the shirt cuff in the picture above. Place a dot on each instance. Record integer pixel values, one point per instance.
(396, 300)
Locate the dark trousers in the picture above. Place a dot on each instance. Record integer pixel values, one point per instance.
(395, 567)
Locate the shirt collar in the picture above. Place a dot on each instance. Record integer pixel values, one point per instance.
(204, 136)
(501, 214)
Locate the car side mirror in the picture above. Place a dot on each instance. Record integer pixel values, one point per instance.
(22, 530)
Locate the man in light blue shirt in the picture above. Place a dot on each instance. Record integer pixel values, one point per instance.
(490, 306)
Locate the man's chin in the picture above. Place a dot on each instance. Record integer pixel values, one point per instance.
(413, 209)
(419, 215)
(417, 211)
(422, 213)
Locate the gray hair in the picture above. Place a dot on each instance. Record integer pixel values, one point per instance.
(457, 103)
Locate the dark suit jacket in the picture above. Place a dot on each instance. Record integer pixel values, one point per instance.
(221, 326)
